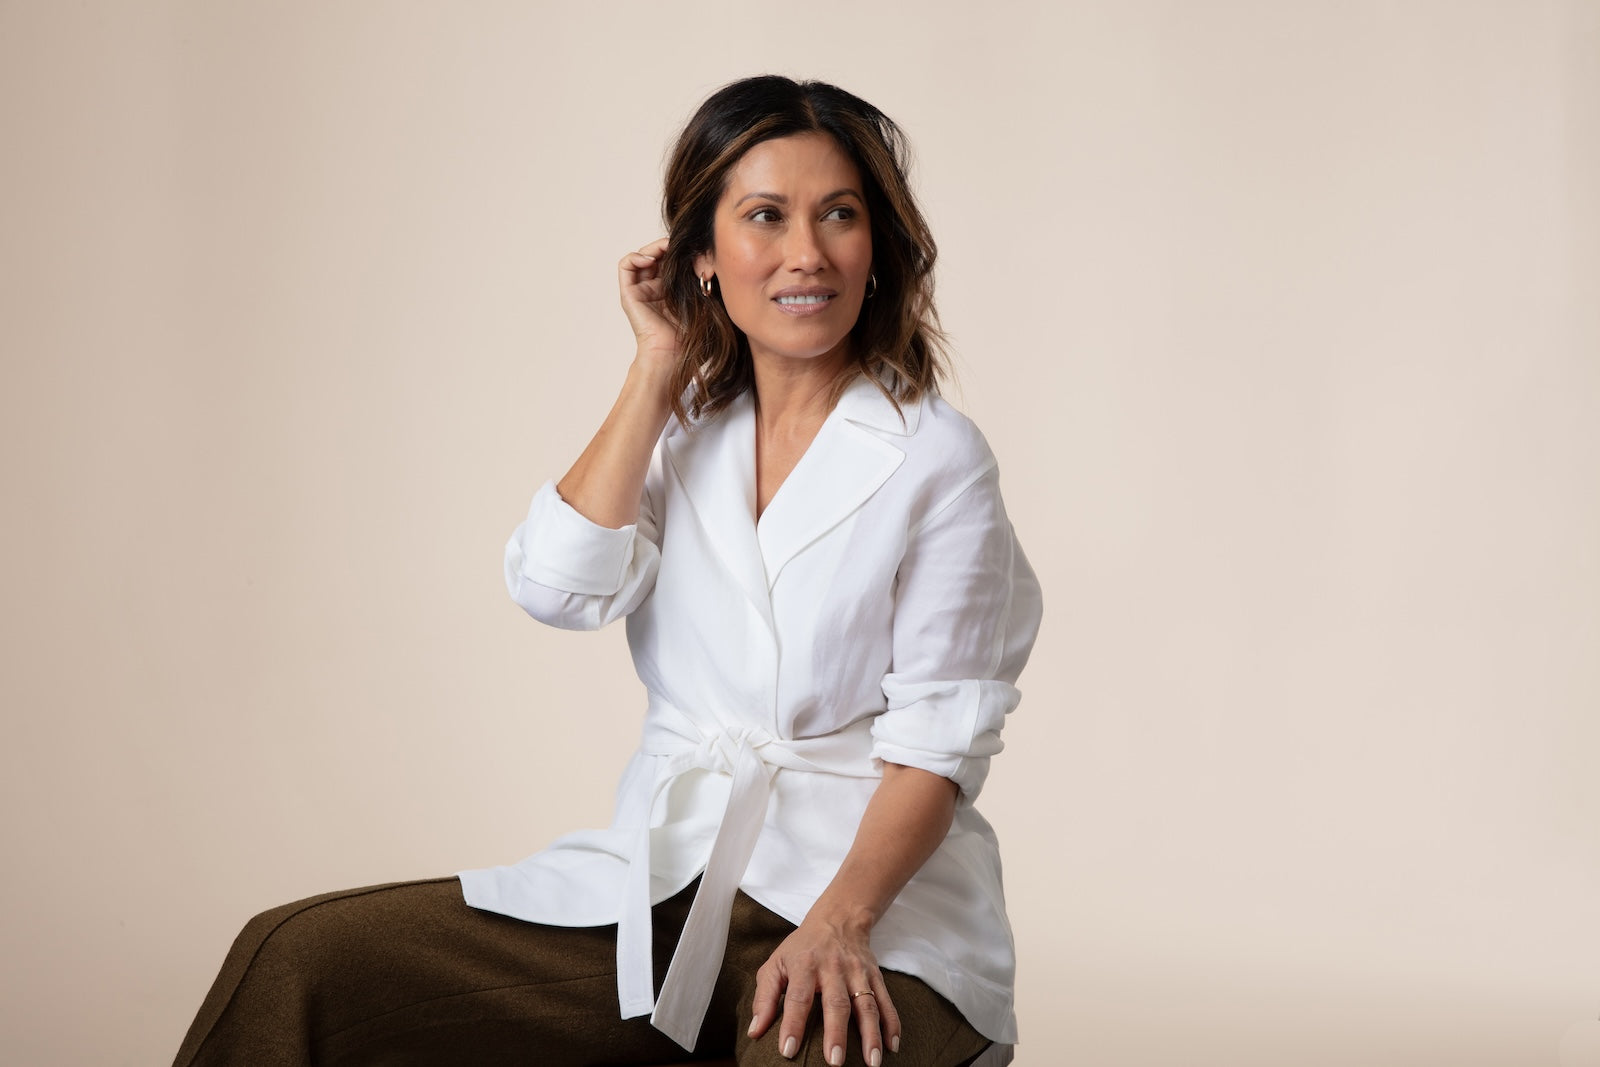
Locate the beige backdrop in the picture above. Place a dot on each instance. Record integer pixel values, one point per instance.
(1281, 318)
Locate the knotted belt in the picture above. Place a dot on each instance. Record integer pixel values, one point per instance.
(751, 756)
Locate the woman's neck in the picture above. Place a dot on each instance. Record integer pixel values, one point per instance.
(794, 394)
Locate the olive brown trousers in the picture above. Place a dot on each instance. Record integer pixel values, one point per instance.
(409, 975)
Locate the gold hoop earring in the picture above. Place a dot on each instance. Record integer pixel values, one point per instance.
(872, 286)
(705, 286)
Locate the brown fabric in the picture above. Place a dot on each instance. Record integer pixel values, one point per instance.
(407, 975)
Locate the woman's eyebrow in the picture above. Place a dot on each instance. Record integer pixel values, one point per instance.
(778, 198)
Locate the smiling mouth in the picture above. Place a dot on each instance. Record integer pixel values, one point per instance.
(803, 301)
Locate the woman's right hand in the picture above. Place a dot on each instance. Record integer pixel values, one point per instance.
(605, 483)
(644, 302)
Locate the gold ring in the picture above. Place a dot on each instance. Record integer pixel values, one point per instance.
(864, 993)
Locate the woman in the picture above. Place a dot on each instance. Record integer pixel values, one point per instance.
(828, 609)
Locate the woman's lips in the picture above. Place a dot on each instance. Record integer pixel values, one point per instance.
(804, 301)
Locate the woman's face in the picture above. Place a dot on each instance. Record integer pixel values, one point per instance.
(792, 248)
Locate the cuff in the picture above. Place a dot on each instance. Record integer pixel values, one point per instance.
(559, 548)
(949, 728)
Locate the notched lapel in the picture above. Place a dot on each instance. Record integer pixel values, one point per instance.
(716, 466)
(838, 473)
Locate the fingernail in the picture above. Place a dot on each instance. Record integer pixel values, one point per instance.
(894, 1043)
(836, 1056)
(875, 1058)
(788, 1048)
(752, 1030)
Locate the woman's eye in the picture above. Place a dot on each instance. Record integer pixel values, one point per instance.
(841, 213)
(764, 214)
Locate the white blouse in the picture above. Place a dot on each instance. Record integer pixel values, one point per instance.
(881, 609)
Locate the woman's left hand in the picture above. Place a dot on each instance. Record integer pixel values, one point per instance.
(833, 960)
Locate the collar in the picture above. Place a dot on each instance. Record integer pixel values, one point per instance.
(863, 403)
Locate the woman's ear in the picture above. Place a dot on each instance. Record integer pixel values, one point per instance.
(705, 265)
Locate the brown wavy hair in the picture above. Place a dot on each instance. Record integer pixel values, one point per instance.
(896, 341)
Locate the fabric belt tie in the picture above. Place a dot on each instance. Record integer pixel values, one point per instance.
(751, 756)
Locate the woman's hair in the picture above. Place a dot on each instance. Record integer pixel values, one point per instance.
(896, 341)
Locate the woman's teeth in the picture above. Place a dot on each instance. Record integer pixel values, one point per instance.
(793, 300)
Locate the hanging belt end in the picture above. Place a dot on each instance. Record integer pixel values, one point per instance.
(683, 1031)
(633, 1007)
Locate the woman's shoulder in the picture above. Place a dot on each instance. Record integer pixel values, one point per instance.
(952, 426)
(950, 438)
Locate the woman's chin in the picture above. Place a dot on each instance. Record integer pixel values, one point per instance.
(821, 348)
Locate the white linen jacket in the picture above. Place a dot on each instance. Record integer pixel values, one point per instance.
(881, 609)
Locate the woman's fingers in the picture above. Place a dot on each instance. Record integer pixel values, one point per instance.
(851, 990)
(639, 279)
(864, 1009)
(769, 998)
(875, 1020)
(836, 1007)
(841, 1005)
(888, 1018)
(797, 998)
(641, 265)
(636, 268)
(651, 251)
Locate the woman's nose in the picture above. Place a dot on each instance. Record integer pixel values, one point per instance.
(803, 248)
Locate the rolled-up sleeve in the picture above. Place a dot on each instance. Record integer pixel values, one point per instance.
(967, 610)
(570, 572)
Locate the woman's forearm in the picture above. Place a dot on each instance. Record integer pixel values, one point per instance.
(906, 819)
(605, 484)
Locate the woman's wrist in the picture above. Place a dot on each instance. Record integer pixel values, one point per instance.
(658, 368)
(649, 382)
(849, 918)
